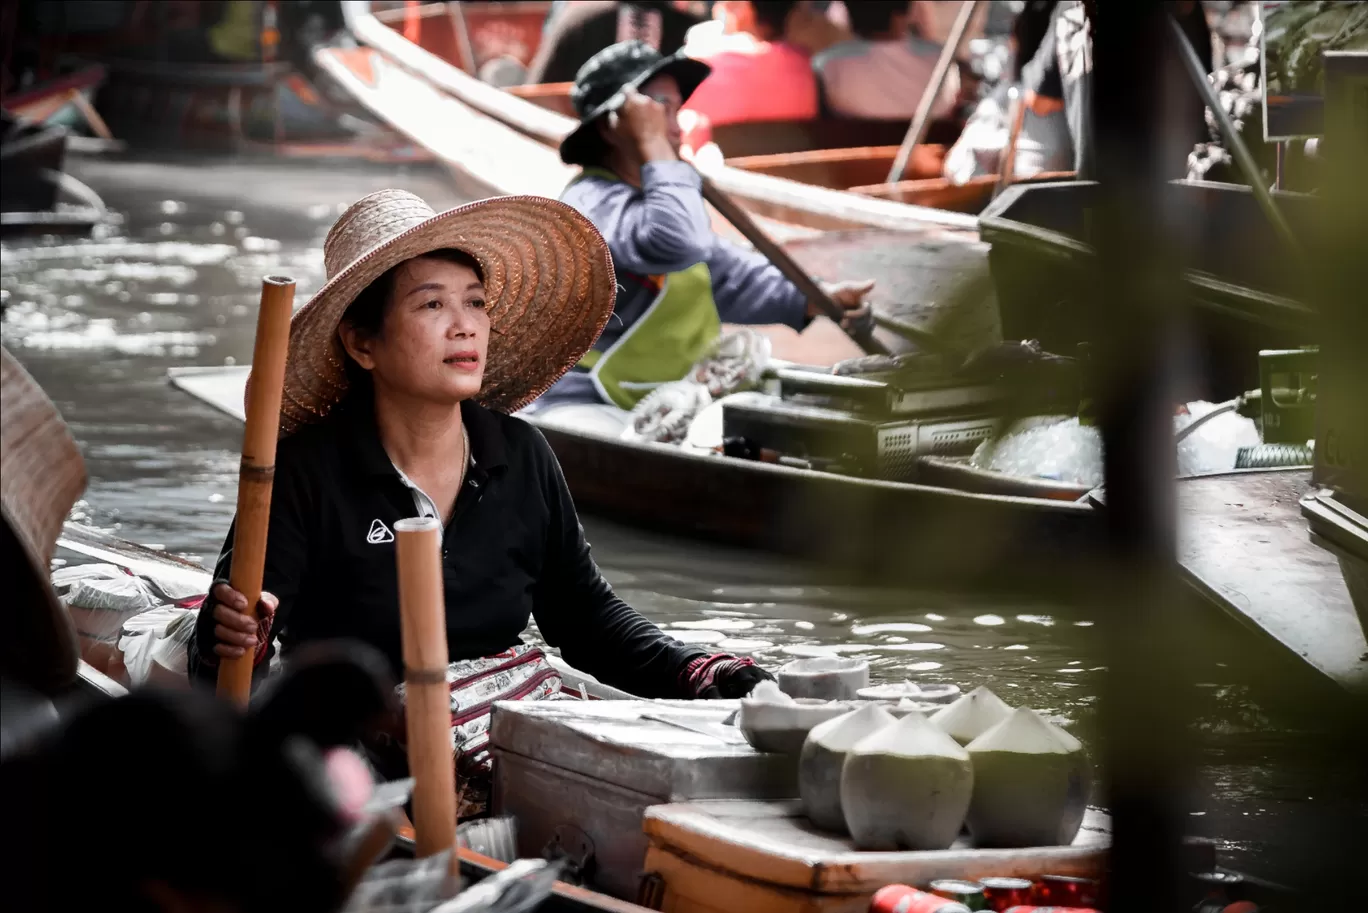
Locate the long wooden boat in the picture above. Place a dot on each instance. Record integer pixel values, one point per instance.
(829, 153)
(499, 162)
(749, 849)
(893, 532)
(1242, 282)
(1246, 548)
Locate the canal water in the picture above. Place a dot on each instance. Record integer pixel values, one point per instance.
(173, 280)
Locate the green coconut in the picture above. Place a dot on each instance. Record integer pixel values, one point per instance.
(824, 753)
(906, 786)
(1031, 784)
(972, 715)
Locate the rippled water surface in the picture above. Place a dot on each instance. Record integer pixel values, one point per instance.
(174, 280)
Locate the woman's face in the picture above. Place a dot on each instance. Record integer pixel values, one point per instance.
(434, 336)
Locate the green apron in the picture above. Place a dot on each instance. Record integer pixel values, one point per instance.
(665, 342)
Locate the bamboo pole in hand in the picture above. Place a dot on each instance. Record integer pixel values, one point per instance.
(427, 702)
(917, 129)
(258, 467)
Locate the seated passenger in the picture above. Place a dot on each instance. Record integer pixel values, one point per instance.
(678, 280)
(1042, 142)
(883, 71)
(760, 73)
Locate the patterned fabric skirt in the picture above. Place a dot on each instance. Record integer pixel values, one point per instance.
(520, 673)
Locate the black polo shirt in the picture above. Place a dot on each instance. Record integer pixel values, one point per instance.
(514, 549)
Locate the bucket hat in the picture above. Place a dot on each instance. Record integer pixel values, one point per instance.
(601, 86)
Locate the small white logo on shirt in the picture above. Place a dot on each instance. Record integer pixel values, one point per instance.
(379, 533)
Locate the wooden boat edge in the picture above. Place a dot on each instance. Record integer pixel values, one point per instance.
(780, 198)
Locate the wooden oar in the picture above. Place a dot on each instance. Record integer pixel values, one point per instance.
(1018, 115)
(738, 217)
(258, 467)
(916, 131)
(427, 702)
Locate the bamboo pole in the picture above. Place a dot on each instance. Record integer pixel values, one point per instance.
(917, 129)
(258, 467)
(427, 702)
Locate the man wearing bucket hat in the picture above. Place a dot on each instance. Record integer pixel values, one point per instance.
(400, 375)
(678, 280)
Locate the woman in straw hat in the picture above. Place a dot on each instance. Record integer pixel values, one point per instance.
(401, 375)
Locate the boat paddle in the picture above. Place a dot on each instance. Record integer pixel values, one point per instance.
(916, 130)
(257, 469)
(811, 288)
(427, 702)
(742, 221)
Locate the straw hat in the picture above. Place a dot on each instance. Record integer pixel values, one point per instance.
(548, 277)
(41, 476)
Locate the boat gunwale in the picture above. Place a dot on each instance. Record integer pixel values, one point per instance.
(1044, 505)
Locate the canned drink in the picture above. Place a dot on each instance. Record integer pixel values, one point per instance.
(901, 898)
(1066, 891)
(969, 893)
(1002, 893)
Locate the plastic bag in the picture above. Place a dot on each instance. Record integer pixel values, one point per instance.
(154, 645)
(426, 886)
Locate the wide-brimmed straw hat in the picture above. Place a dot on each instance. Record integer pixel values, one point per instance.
(549, 284)
(601, 87)
(41, 476)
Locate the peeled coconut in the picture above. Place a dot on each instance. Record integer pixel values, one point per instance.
(906, 786)
(972, 715)
(823, 754)
(1031, 784)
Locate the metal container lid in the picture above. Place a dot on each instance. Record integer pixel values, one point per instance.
(671, 750)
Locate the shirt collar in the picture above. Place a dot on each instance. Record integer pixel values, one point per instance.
(362, 438)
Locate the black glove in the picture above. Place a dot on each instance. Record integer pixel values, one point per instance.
(723, 676)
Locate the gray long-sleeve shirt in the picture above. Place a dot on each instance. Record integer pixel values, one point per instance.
(663, 227)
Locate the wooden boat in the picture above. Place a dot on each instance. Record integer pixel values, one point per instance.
(33, 157)
(1237, 274)
(1246, 549)
(663, 847)
(873, 530)
(538, 113)
(41, 102)
(841, 154)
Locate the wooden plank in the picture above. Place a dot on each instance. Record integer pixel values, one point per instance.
(772, 842)
(1244, 544)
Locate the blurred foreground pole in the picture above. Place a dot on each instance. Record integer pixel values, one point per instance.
(1146, 693)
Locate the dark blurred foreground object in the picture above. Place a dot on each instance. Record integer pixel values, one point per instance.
(586, 27)
(201, 758)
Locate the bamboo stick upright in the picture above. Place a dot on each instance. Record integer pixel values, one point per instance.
(427, 702)
(257, 470)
